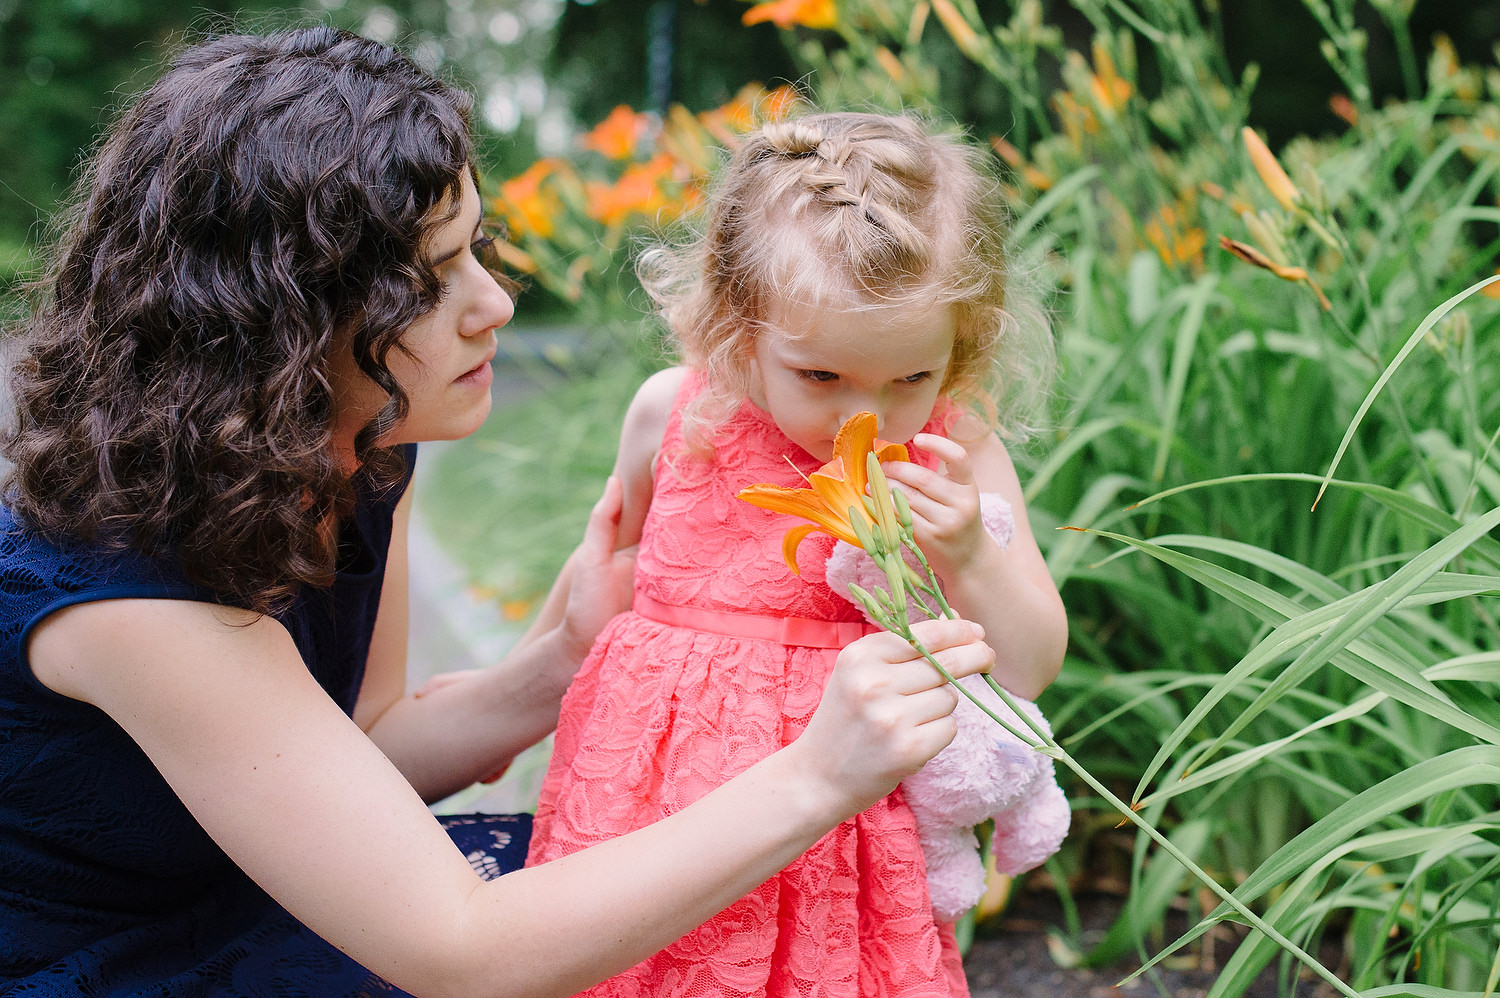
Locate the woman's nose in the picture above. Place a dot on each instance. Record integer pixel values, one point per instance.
(493, 309)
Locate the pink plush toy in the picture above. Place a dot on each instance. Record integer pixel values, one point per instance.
(985, 773)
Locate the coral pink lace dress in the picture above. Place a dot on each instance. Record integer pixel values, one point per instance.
(696, 684)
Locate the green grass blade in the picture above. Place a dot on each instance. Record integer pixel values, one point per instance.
(1470, 766)
(1183, 348)
(1390, 370)
(1059, 192)
(1378, 601)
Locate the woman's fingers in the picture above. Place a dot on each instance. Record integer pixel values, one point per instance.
(886, 710)
(604, 522)
(441, 680)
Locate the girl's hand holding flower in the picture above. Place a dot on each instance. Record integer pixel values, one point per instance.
(944, 506)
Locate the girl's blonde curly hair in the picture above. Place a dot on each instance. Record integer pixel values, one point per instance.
(851, 211)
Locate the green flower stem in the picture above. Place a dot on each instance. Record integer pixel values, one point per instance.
(1048, 750)
(1004, 695)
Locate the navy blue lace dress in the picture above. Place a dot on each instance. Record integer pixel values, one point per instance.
(107, 884)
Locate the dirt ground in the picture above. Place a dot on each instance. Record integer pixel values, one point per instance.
(1010, 959)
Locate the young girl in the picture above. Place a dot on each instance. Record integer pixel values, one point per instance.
(851, 262)
(211, 780)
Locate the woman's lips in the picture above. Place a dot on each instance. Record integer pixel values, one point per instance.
(480, 375)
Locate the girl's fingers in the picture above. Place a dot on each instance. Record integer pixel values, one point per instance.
(919, 482)
(953, 455)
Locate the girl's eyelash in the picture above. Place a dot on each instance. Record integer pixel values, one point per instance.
(821, 377)
(918, 378)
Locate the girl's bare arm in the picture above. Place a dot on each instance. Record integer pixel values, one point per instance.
(1008, 591)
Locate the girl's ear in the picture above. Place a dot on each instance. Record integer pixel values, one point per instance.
(750, 370)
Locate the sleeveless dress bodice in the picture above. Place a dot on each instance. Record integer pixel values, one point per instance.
(108, 886)
(685, 691)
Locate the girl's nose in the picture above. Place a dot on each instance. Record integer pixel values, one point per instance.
(865, 405)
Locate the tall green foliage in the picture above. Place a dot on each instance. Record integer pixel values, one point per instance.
(1303, 697)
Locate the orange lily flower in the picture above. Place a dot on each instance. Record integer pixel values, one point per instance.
(1110, 90)
(1344, 108)
(1174, 241)
(640, 191)
(618, 134)
(838, 488)
(969, 41)
(1013, 158)
(785, 13)
(528, 207)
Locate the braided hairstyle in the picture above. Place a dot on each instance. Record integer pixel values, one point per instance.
(851, 211)
(261, 205)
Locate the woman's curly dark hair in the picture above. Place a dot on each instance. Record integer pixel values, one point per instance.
(264, 203)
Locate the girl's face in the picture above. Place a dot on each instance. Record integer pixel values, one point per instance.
(445, 368)
(817, 367)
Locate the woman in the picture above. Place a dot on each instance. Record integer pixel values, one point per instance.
(272, 286)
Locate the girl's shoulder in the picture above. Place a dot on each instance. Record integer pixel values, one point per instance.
(651, 409)
(660, 392)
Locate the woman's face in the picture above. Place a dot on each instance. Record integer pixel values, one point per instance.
(445, 366)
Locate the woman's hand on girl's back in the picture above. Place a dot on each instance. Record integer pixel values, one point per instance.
(601, 579)
(886, 710)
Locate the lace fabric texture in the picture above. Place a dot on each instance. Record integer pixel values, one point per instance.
(659, 715)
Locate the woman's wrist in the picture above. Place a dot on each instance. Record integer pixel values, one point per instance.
(809, 801)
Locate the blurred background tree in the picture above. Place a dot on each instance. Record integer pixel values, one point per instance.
(545, 69)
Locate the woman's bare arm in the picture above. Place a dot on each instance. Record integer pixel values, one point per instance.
(461, 731)
(311, 809)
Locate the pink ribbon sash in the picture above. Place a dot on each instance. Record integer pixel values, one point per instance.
(806, 632)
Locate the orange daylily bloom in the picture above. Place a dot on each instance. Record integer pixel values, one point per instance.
(751, 106)
(1174, 241)
(890, 64)
(969, 41)
(1344, 108)
(639, 192)
(777, 104)
(1110, 90)
(1492, 290)
(1077, 119)
(838, 488)
(527, 207)
(786, 13)
(1013, 158)
(1238, 204)
(618, 134)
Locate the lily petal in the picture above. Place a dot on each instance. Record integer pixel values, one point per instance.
(790, 542)
(838, 488)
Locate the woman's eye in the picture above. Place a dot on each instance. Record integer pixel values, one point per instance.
(819, 376)
(483, 249)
